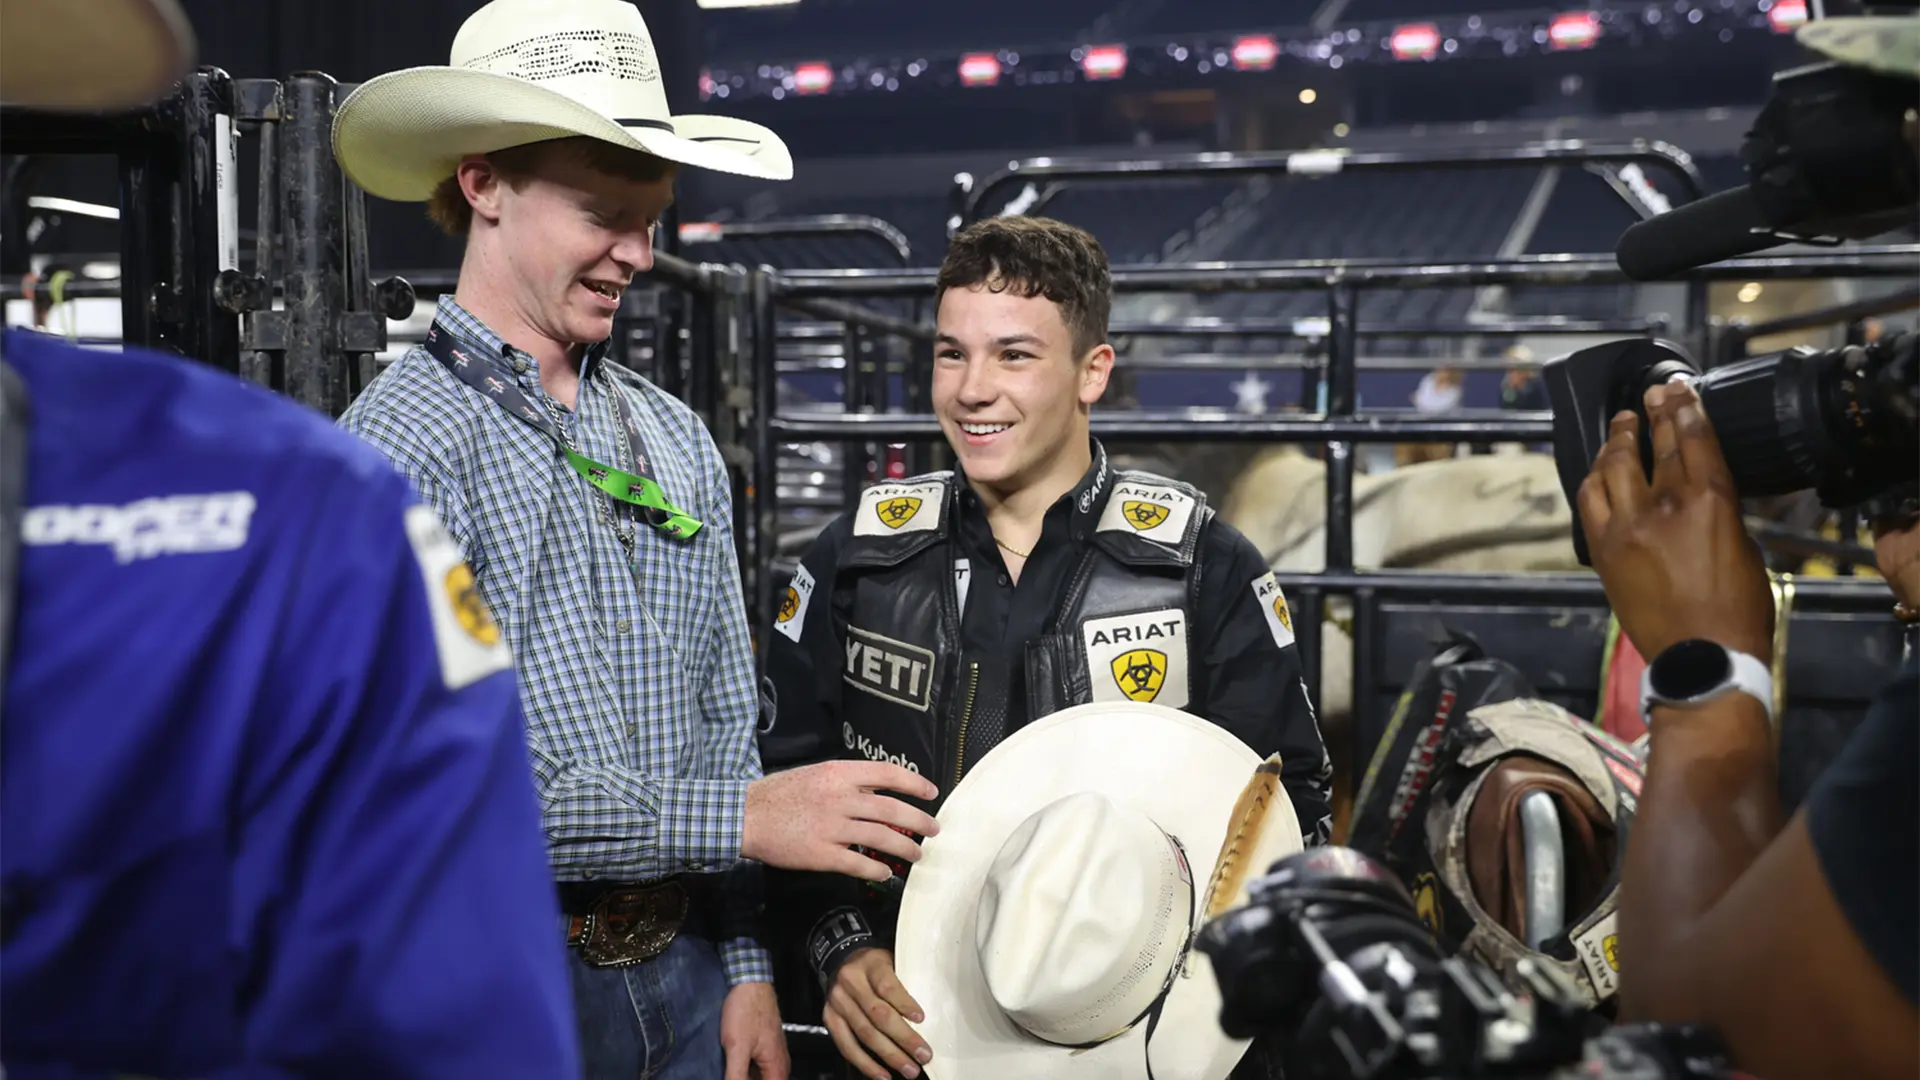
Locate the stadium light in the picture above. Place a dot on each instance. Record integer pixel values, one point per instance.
(813, 78)
(1255, 52)
(1104, 61)
(1785, 16)
(1308, 97)
(1415, 41)
(979, 69)
(1574, 31)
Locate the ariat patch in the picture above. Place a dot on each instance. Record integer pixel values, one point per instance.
(962, 578)
(791, 615)
(1138, 657)
(467, 639)
(891, 670)
(891, 509)
(1426, 902)
(1599, 950)
(1273, 605)
(1149, 510)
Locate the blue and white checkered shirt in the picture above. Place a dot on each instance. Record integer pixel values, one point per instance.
(638, 680)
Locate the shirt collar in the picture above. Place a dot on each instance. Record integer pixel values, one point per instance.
(1077, 509)
(479, 336)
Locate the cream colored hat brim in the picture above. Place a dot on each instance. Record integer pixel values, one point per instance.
(1888, 44)
(400, 134)
(1184, 773)
(91, 55)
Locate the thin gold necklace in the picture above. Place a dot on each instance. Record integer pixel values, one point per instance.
(1010, 547)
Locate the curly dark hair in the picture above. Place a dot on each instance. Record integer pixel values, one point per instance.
(1036, 257)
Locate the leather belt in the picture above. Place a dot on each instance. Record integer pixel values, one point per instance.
(622, 925)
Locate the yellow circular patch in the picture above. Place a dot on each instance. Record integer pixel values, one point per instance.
(472, 611)
(1426, 902)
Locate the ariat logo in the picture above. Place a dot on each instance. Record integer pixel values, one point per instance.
(468, 608)
(1140, 673)
(792, 616)
(1273, 606)
(890, 509)
(1139, 657)
(897, 512)
(892, 670)
(1156, 513)
(1599, 950)
(1426, 902)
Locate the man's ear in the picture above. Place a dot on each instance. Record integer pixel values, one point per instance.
(482, 185)
(1094, 372)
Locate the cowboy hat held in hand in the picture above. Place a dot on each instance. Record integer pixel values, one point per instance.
(1047, 930)
(526, 71)
(91, 55)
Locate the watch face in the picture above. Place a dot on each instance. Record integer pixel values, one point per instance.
(1689, 669)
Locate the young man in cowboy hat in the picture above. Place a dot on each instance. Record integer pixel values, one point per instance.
(597, 514)
(265, 796)
(948, 610)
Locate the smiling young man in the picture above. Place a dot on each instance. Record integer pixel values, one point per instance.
(948, 610)
(596, 513)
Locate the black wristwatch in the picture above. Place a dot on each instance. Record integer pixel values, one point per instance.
(1696, 671)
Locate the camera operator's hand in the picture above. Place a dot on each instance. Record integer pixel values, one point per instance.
(868, 1009)
(1674, 554)
(1896, 553)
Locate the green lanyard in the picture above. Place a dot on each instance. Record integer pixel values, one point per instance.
(636, 489)
(640, 491)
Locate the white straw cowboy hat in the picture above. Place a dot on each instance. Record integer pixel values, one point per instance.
(525, 71)
(1057, 905)
(91, 55)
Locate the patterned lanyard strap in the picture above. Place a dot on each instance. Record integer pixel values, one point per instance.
(637, 489)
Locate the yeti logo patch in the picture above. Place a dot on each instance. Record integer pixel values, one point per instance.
(1139, 657)
(891, 670)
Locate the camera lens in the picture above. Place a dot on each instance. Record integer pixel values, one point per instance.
(1840, 422)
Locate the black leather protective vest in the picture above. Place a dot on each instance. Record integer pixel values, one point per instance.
(1124, 631)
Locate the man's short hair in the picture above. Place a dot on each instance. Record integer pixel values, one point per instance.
(449, 209)
(1036, 257)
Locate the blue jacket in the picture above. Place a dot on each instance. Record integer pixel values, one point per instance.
(265, 803)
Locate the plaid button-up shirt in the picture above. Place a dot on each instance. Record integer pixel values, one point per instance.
(638, 678)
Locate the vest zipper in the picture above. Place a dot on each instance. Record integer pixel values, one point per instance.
(966, 713)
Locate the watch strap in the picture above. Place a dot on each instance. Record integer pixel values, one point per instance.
(1748, 675)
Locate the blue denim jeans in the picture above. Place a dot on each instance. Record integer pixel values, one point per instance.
(656, 1020)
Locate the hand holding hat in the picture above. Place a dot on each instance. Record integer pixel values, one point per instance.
(1047, 931)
